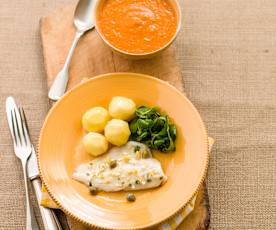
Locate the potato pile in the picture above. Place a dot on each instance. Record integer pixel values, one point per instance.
(113, 123)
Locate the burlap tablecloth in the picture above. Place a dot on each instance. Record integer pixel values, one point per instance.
(227, 51)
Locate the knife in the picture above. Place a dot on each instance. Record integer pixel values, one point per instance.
(49, 218)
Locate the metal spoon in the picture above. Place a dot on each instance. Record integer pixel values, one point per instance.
(84, 21)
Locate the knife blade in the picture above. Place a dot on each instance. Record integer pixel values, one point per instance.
(32, 166)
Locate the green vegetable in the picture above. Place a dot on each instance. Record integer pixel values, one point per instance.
(153, 129)
(146, 155)
(93, 190)
(112, 164)
(131, 197)
(137, 148)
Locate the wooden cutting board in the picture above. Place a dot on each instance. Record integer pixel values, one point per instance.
(93, 57)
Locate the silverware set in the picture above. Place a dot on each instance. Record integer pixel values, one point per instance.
(24, 150)
(23, 147)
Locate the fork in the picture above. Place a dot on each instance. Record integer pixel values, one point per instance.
(23, 149)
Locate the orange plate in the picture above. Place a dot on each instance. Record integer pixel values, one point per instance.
(60, 153)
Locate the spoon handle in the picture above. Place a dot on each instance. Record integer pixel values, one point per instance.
(60, 83)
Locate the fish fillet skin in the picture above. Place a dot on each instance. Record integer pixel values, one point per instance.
(132, 172)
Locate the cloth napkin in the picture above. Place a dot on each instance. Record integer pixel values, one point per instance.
(170, 224)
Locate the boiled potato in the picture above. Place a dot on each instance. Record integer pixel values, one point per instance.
(122, 108)
(117, 132)
(95, 143)
(95, 119)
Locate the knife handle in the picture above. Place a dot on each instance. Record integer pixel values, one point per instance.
(49, 218)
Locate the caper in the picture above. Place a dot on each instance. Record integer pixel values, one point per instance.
(93, 190)
(161, 178)
(131, 197)
(149, 180)
(112, 164)
(138, 182)
(90, 183)
(145, 155)
(137, 148)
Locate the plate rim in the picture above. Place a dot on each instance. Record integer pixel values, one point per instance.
(81, 84)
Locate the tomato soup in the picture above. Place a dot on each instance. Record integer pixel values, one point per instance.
(137, 26)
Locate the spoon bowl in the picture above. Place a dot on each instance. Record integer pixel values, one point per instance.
(84, 18)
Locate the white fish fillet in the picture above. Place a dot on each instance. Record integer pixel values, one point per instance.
(131, 172)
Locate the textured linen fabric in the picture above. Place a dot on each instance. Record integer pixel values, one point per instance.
(228, 60)
(228, 57)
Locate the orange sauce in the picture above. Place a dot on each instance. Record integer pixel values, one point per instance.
(137, 26)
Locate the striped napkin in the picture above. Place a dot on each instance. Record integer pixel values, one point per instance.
(170, 224)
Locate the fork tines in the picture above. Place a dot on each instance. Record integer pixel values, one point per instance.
(19, 127)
